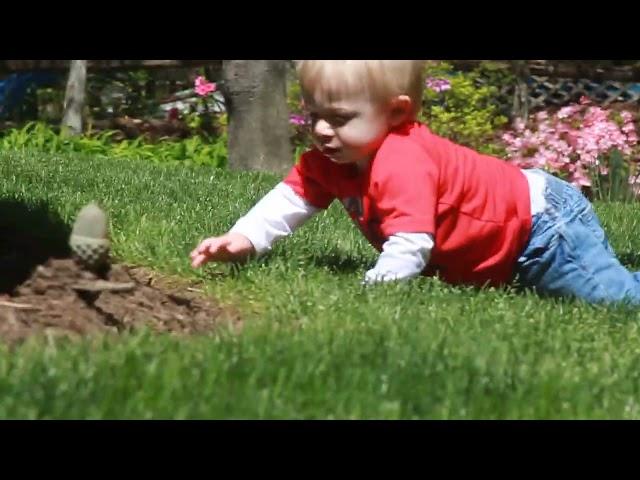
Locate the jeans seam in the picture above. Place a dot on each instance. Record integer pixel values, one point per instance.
(581, 265)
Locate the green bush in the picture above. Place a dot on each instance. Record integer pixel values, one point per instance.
(467, 113)
(41, 137)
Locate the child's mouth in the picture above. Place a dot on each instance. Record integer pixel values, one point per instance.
(330, 152)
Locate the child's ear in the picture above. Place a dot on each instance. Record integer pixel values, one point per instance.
(400, 111)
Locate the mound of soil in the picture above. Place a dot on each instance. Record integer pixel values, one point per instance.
(60, 298)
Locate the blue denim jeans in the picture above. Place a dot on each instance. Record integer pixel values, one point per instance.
(568, 253)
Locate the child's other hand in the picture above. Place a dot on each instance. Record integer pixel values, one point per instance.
(231, 247)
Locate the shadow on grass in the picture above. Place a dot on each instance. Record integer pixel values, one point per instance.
(338, 262)
(30, 233)
(630, 260)
(335, 261)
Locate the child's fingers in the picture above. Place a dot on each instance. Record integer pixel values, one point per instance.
(208, 245)
(216, 245)
(210, 249)
(198, 260)
(203, 245)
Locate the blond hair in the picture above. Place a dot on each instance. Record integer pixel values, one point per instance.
(379, 80)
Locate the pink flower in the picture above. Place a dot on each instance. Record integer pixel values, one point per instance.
(296, 119)
(542, 116)
(627, 116)
(568, 111)
(580, 178)
(438, 84)
(584, 100)
(518, 124)
(203, 87)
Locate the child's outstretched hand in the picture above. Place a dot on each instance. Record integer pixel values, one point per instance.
(231, 247)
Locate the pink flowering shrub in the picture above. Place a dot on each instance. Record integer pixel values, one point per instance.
(438, 84)
(203, 87)
(298, 119)
(299, 122)
(206, 115)
(581, 143)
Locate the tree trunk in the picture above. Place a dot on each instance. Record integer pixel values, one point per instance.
(74, 98)
(521, 93)
(256, 101)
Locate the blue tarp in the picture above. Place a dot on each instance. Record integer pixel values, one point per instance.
(14, 88)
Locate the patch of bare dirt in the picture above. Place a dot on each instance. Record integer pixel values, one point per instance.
(62, 299)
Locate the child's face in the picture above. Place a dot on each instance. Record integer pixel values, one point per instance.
(348, 130)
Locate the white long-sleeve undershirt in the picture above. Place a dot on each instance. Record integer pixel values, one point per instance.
(281, 211)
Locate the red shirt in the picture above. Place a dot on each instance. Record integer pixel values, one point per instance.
(476, 206)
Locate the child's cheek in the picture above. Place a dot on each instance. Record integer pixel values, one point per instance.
(357, 135)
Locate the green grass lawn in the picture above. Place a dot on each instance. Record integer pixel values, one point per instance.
(315, 344)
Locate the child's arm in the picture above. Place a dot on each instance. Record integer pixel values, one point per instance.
(404, 256)
(278, 214)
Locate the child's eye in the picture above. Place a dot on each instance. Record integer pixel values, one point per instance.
(333, 120)
(339, 120)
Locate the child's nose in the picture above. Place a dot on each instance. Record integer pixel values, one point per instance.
(323, 129)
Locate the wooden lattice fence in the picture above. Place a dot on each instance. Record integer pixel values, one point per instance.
(557, 83)
(547, 91)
